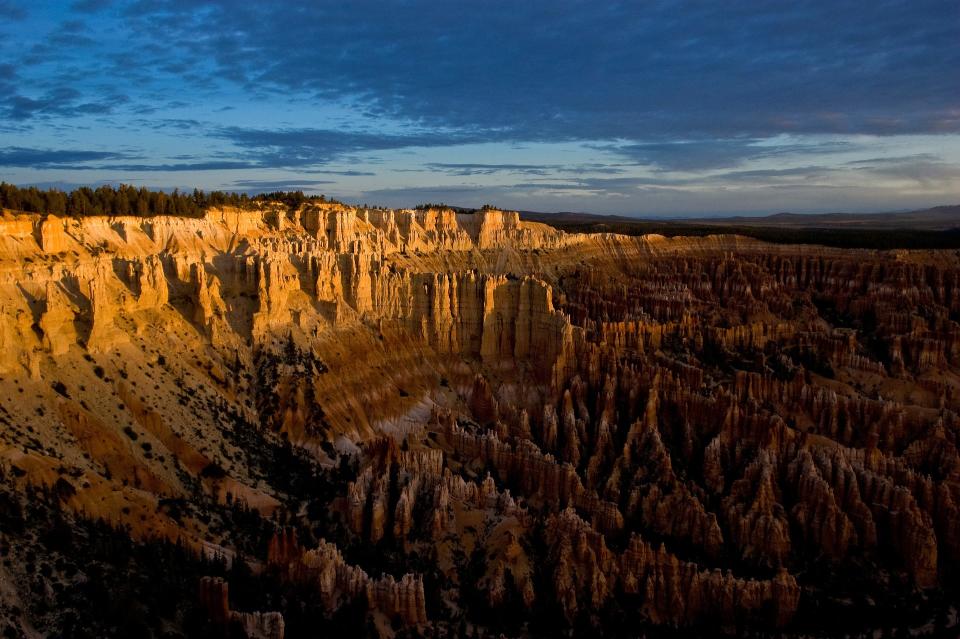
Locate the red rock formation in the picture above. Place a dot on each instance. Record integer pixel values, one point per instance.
(214, 597)
(748, 406)
(672, 591)
(336, 580)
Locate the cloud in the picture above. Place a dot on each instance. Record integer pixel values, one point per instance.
(548, 71)
(927, 173)
(279, 185)
(12, 10)
(308, 147)
(64, 102)
(80, 160)
(615, 187)
(170, 124)
(411, 193)
(709, 154)
(211, 165)
(555, 71)
(762, 176)
(618, 187)
(689, 155)
(345, 173)
(897, 159)
(49, 158)
(649, 99)
(466, 169)
(90, 6)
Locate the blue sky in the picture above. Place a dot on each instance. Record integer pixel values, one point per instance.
(638, 108)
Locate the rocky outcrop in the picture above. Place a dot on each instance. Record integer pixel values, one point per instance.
(57, 321)
(673, 592)
(337, 581)
(755, 515)
(273, 285)
(214, 598)
(52, 235)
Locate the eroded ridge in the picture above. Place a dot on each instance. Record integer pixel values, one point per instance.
(425, 421)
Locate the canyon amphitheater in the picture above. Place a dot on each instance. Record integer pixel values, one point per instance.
(431, 423)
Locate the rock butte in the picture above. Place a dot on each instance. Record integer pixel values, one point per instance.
(686, 422)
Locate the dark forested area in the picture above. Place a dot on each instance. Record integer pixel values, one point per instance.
(130, 200)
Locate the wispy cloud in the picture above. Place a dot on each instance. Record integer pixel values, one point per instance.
(685, 98)
(706, 154)
(12, 10)
(280, 185)
(64, 102)
(90, 6)
(465, 169)
(309, 147)
(926, 173)
(50, 158)
(636, 71)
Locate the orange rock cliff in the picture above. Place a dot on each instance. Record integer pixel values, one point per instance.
(410, 419)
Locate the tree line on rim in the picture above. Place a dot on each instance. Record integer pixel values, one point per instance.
(143, 202)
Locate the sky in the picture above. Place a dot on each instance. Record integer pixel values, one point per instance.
(653, 108)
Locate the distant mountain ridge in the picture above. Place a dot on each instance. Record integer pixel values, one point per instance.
(939, 218)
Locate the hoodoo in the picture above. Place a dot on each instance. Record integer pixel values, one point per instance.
(425, 421)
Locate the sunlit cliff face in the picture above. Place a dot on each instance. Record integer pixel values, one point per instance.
(415, 420)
